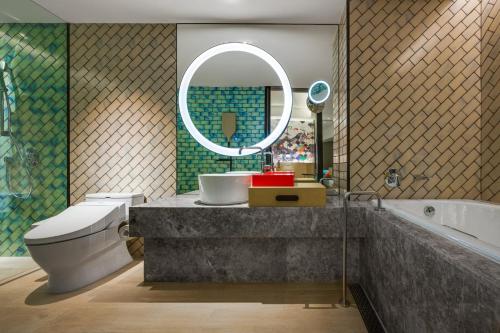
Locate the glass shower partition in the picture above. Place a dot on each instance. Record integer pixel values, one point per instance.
(33, 128)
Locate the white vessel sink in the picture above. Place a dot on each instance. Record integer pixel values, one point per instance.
(224, 188)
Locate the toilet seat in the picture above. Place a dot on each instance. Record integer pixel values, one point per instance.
(76, 221)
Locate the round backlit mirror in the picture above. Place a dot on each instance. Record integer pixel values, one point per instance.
(247, 50)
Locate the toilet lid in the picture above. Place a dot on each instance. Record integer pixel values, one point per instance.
(122, 209)
(74, 222)
(106, 195)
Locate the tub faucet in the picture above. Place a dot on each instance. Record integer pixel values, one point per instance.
(421, 177)
(347, 195)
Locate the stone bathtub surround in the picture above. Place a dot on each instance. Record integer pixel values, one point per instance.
(417, 281)
(422, 282)
(188, 242)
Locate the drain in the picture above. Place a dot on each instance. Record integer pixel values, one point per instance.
(429, 211)
(370, 318)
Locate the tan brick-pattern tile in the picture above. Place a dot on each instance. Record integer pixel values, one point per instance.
(122, 110)
(136, 247)
(490, 101)
(340, 122)
(415, 96)
(335, 100)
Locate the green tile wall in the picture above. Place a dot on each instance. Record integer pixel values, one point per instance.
(37, 54)
(206, 105)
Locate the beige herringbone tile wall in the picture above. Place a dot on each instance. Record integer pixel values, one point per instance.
(490, 101)
(343, 124)
(122, 110)
(415, 96)
(336, 105)
(340, 164)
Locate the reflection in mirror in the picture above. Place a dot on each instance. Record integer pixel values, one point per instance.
(295, 150)
(232, 83)
(246, 86)
(219, 86)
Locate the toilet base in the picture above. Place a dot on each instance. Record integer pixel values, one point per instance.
(93, 269)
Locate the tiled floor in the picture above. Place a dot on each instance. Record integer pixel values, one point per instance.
(122, 303)
(12, 267)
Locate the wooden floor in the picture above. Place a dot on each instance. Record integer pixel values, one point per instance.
(12, 267)
(123, 303)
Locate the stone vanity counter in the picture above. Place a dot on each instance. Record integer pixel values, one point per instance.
(184, 241)
(416, 280)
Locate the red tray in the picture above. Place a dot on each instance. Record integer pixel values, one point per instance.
(274, 178)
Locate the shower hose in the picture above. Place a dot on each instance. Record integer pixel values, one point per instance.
(6, 130)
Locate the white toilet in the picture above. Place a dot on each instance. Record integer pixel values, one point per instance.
(85, 242)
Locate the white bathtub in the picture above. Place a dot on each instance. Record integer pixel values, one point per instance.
(473, 224)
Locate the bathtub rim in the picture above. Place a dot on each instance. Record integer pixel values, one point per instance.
(477, 246)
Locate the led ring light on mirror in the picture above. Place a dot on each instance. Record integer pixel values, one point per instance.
(315, 85)
(235, 47)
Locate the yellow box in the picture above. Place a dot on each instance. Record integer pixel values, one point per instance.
(301, 195)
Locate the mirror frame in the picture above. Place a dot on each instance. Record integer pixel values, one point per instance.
(309, 92)
(235, 47)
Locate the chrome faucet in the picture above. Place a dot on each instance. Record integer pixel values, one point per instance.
(262, 163)
(370, 193)
(252, 147)
(347, 195)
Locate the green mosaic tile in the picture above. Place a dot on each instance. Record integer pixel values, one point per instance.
(206, 105)
(37, 55)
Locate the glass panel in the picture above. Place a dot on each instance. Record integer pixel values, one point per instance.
(231, 85)
(295, 150)
(33, 146)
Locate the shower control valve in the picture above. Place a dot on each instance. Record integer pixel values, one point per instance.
(392, 178)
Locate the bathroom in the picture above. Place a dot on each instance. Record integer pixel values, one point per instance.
(250, 166)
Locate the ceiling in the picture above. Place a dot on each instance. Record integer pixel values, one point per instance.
(196, 11)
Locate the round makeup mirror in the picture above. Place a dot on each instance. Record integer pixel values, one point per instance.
(319, 92)
(317, 95)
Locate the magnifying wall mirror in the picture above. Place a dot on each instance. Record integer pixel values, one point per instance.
(237, 99)
(317, 95)
(319, 92)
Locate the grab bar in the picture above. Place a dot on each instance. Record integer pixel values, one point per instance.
(347, 195)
